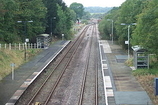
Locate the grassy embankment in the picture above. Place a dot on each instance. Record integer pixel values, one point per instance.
(13, 56)
(146, 78)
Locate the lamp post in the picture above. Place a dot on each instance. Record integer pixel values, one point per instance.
(128, 35)
(51, 22)
(25, 33)
(112, 30)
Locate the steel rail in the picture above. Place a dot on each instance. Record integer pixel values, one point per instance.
(85, 75)
(96, 76)
(70, 47)
(53, 89)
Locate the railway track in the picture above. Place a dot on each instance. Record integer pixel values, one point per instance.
(89, 93)
(72, 79)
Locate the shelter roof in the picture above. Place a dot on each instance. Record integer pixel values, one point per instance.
(138, 48)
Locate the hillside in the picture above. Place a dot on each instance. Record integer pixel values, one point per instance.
(98, 9)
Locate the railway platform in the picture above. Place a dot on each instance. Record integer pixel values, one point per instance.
(11, 90)
(121, 87)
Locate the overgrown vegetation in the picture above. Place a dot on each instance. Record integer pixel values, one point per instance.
(14, 56)
(146, 79)
(144, 33)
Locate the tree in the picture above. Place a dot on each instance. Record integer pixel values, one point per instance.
(60, 28)
(86, 15)
(128, 13)
(73, 15)
(18, 10)
(7, 31)
(31, 10)
(78, 8)
(146, 31)
(51, 18)
(105, 25)
(65, 22)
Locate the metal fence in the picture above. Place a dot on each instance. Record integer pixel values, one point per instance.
(20, 46)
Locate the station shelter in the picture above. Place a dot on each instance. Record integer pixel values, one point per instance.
(43, 40)
(141, 58)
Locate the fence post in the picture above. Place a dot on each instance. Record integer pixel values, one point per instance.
(19, 46)
(15, 46)
(23, 46)
(5, 46)
(10, 47)
(40, 45)
(35, 46)
(30, 45)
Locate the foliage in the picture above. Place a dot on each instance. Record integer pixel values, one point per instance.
(127, 13)
(59, 18)
(142, 12)
(86, 15)
(146, 31)
(139, 72)
(7, 23)
(17, 10)
(64, 23)
(104, 29)
(147, 82)
(44, 14)
(97, 15)
(78, 8)
(30, 10)
(105, 26)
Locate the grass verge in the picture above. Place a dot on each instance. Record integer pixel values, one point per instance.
(13, 56)
(146, 79)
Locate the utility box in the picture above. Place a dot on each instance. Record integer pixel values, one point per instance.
(156, 86)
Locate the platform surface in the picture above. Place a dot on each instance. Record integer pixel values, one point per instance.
(13, 88)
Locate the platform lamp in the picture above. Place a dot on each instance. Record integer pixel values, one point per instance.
(128, 35)
(25, 33)
(112, 30)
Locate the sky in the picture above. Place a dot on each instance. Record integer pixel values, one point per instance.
(100, 3)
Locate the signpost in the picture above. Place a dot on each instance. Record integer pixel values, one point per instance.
(62, 36)
(12, 68)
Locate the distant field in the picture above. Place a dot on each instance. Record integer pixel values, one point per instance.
(98, 9)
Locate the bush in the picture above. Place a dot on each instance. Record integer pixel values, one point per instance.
(139, 72)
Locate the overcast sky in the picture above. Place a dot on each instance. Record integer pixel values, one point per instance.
(101, 3)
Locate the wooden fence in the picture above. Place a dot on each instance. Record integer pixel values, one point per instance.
(20, 46)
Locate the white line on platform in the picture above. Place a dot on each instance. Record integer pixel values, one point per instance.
(106, 46)
(106, 100)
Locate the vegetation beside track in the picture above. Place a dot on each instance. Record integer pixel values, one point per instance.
(146, 79)
(13, 56)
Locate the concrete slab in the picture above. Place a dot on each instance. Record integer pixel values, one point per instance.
(106, 46)
(132, 98)
(121, 56)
